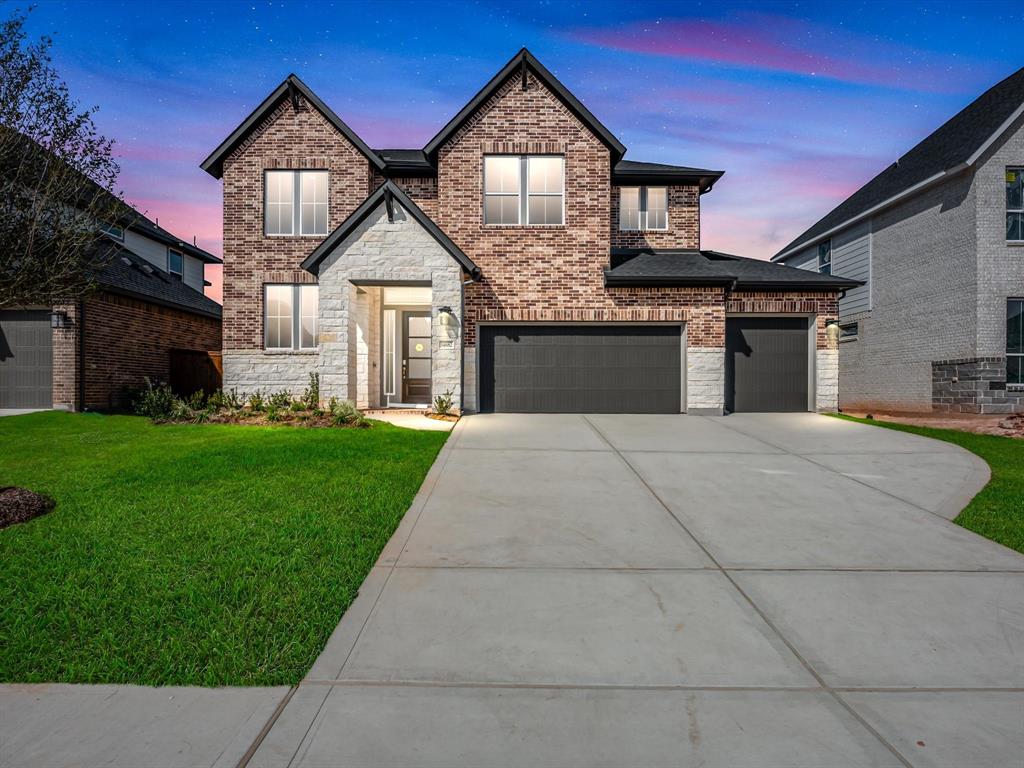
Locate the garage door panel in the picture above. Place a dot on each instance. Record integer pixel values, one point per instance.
(767, 364)
(26, 359)
(580, 369)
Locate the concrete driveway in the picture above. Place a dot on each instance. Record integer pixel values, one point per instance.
(764, 590)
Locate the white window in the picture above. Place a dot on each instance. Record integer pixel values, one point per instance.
(113, 230)
(825, 257)
(290, 316)
(175, 262)
(1015, 205)
(296, 203)
(506, 177)
(643, 208)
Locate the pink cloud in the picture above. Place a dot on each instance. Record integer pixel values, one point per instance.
(771, 43)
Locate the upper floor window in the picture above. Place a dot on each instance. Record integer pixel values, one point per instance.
(521, 189)
(113, 230)
(1015, 205)
(825, 257)
(290, 316)
(295, 203)
(175, 262)
(1015, 341)
(642, 208)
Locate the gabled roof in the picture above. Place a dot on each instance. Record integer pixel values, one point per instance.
(519, 64)
(128, 274)
(954, 147)
(386, 195)
(652, 268)
(635, 172)
(291, 88)
(136, 222)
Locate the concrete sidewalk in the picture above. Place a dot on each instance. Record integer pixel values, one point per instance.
(777, 590)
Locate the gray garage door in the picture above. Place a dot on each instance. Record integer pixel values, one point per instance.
(580, 369)
(766, 365)
(26, 359)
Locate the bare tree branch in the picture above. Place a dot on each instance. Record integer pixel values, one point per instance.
(57, 176)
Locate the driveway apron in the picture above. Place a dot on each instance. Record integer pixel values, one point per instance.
(750, 590)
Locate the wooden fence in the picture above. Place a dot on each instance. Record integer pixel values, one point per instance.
(191, 371)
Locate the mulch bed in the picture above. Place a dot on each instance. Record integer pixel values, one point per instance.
(18, 505)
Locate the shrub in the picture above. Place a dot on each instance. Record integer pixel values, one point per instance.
(311, 396)
(197, 401)
(345, 414)
(272, 413)
(443, 403)
(280, 399)
(256, 401)
(296, 406)
(155, 401)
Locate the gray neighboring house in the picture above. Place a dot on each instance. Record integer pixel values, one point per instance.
(938, 239)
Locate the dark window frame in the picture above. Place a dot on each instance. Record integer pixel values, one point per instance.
(1015, 371)
(1017, 212)
(181, 260)
(524, 192)
(825, 257)
(643, 219)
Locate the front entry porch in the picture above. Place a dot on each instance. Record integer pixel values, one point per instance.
(406, 347)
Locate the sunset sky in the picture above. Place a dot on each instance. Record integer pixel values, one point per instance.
(800, 103)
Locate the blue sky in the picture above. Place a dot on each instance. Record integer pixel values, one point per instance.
(800, 103)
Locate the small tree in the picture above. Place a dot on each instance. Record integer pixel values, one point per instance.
(57, 176)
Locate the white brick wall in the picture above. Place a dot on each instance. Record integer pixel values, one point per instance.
(705, 379)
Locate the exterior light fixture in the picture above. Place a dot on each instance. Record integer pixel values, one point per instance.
(59, 320)
(832, 332)
(446, 316)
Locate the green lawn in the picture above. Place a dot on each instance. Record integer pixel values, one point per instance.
(998, 511)
(202, 555)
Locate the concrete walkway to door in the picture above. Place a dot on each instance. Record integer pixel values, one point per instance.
(762, 590)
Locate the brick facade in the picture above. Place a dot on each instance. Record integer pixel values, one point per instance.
(287, 139)
(683, 223)
(528, 273)
(127, 340)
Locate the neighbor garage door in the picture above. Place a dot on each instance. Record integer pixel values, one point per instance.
(26, 359)
(580, 369)
(766, 365)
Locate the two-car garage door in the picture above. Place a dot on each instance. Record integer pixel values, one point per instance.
(638, 369)
(26, 359)
(581, 369)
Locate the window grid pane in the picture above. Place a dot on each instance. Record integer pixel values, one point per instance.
(629, 208)
(279, 317)
(544, 175)
(313, 196)
(308, 332)
(501, 209)
(1015, 326)
(825, 258)
(657, 208)
(501, 174)
(279, 194)
(174, 262)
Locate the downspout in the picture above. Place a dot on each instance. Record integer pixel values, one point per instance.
(81, 355)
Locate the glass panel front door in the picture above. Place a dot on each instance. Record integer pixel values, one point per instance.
(416, 357)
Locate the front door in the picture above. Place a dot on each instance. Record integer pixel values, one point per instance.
(416, 357)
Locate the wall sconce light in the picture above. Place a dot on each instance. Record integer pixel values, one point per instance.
(446, 316)
(59, 320)
(832, 332)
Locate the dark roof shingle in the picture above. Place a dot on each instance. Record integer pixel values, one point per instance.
(692, 267)
(129, 274)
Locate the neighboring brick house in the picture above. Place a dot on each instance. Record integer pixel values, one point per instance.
(516, 261)
(937, 240)
(90, 353)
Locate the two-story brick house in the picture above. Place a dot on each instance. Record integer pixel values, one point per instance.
(516, 261)
(936, 239)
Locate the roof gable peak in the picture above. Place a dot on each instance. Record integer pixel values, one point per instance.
(519, 65)
(290, 89)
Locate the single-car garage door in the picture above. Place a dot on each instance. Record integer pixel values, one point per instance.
(766, 366)
(26, 359)
(580, 369)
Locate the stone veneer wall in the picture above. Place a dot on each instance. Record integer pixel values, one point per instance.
(381, 251)
(974, 385)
